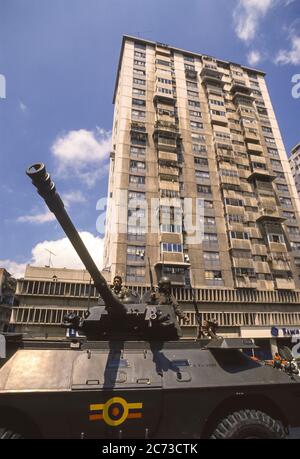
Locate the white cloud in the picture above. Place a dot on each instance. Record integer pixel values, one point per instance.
(247, 16)
(15, 269)
(22, 107)
(65, 255)
(73, 197)
(290, 56)
(254, 57)
(37, 219)
(81, 153)
(249, 13)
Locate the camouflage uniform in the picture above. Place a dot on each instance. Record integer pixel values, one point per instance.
(164, 296)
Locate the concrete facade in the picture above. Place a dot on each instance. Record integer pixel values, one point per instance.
(191, 126)
(295, 166)
(7, 291)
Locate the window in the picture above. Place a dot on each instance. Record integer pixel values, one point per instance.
(286, 202)
(189, 67)
(140, 102)
(234, 202)
(188, 58)
(140, 54)
(170, 228)
(136, 114)
(267, 129)
(139, 72)
(218, 113)
(198, 137)
(235, 218)
(213, 275)
(289, 215)
(275, 163)
(164, 90)
(192, 93)
(211, 256)
(273, 152)
(210, 237)
(195, 114)
(228, 173)
(244, 272)
(135, 253)
(137, 180)
(137, 165)
(138, 92)
(139, 81)
(201, 161)
(294, 230)
(204, 189)
(202, 175)
(137, 151)
(193, 103)
(135, 274)
(139, 46)
(191, 84)
(278, 238)
(216, 102)
(169, 247)
(195, 125)
(270, 140)
(162, 62)
(239, 235)
(139, 63)
(209, 221)
(164, 80)
(222, 135)
(282, 188)
(295, 245)
(136, 196)
(208, 205)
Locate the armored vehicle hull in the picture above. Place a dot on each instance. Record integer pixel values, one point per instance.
(179, 390)
(126, 374)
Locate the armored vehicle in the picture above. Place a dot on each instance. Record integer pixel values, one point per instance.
(127, 374)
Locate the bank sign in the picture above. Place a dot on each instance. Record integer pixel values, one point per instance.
(285, 332)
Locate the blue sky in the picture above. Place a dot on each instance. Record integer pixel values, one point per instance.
(59, 59)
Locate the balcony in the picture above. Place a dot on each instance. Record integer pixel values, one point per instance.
(166, 156)
(258, 173)
(240, 87)
(164, 98)
(168, 171)
(165, 143)
(240, 244)
(285, 284)
(254, 147)
(270, 214)
(251, 136)
(191, 74)
(138, 127)
(245, 282)
(225, 155)
(218, 119)
(210, 74)
(278, 247)
(166, 127)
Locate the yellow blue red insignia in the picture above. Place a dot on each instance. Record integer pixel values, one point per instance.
(115, 411)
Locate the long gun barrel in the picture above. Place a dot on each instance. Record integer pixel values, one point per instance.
(46, 189)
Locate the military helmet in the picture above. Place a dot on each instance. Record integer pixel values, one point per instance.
(164, 282)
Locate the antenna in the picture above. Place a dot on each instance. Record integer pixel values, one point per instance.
(50, 254)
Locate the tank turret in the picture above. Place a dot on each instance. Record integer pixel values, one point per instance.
(114, 319)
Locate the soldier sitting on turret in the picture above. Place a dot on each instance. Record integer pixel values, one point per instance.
(164, 296)
(119, 290)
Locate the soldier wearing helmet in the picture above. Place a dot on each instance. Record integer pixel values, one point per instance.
(164, 296)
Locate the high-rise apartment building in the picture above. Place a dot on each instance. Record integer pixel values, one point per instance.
(295, 166)
(191, 127)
